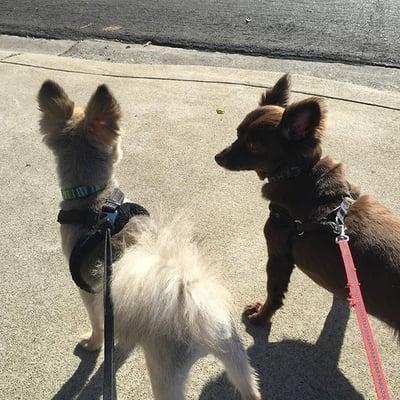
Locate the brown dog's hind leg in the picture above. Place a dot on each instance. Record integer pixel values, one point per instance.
(279, 269)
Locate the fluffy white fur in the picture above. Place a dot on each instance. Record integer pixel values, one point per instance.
(162, 286)
(167, 300)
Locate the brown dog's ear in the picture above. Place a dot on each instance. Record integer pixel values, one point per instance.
(305, 119)
(279, 94)
(54, 102)
(103, 114)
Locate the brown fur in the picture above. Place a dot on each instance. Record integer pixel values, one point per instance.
(269, 146)
(279, 94)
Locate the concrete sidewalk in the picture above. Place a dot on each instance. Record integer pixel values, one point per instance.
(172, 134)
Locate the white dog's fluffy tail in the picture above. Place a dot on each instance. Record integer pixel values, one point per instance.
(163, 286)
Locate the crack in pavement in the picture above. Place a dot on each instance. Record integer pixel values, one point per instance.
(233, 83)
(10, 56)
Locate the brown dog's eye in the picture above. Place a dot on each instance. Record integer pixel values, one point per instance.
(253, 147)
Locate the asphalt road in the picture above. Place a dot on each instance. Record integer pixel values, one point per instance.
(356, 31)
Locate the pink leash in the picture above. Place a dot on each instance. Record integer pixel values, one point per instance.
(356, 301)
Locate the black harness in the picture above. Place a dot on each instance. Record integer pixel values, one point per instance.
(332, 223)
(114, 214)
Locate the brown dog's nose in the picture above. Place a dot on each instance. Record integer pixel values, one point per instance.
(219, 158)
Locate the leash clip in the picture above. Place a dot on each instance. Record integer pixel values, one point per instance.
(106, 220)
(340, 230)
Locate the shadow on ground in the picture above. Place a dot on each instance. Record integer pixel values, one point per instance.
(79, 386)
(293, 369)
(288, 370)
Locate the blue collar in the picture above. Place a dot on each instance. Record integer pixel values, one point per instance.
(81, 192)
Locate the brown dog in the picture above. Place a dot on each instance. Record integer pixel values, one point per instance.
(282, 142)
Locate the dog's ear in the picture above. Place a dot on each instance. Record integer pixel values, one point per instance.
(103, 114)
(54, 103)
(279, 94)
(304, 120)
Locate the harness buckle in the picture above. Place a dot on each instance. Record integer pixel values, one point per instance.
(113, 202)
(109, 211)
(298, 226)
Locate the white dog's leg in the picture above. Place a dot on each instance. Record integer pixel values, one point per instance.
(234, 357)
(168, 364)
(94, 307)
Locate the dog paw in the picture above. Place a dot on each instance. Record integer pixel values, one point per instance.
(255, 313)
(91, 342)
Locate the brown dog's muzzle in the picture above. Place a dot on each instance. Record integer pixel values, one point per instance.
(221, 157)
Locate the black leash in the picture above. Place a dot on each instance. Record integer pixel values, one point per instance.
(103, 223)
(110, 208)
(109, 392)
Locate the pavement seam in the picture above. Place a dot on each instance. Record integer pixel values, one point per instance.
(10, 56)
(69, 49)
(232, 83)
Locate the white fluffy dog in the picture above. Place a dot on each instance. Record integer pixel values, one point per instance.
(164, 296)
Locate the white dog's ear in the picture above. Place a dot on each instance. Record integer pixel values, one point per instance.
(54, 103)
(279, 94)
(103, 114)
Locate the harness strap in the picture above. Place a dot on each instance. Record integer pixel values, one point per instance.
(80, 250)
(87, 217)
(330, 223)
(356, 301)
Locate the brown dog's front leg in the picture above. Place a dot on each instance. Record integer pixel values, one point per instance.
(279, 269)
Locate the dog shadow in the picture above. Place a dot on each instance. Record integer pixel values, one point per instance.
(293, 369)
(287, 370)
(79, 386)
